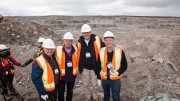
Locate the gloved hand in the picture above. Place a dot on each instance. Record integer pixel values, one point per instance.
(99, 83)
(114, 73)
(23, 65)
(44, 97)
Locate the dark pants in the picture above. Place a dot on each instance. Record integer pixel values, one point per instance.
(115, 86)
(69, 92)
(5, 86)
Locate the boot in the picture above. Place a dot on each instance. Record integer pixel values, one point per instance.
(7, 97)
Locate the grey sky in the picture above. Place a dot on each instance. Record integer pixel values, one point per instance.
(90, 7)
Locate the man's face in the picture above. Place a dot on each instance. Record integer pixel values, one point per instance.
(109, 42)
(49, 51)
(86, 35)
(67, 43)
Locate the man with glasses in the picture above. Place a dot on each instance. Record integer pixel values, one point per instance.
(89, 46)
(46, 73)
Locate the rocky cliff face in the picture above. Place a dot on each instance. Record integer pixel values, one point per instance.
(151, 45)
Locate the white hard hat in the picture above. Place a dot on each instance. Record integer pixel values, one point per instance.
(108, 34)
(86, 28)
(41, 39)
(2, 46)
(48, 43)
(68, 35)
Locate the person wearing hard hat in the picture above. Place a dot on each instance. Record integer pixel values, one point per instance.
(113, 65)
(36, 53)
(40, 42)
(46, 73)
(7, 63)
(67, 59)
(89, 46)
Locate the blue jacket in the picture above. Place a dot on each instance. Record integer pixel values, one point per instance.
(36, 76)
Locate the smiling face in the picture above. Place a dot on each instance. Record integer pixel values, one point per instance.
(49, 51)
(109, 42)
(67, 43)
(86, 35)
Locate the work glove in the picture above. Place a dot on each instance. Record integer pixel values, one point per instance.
(23, 65)
(35, 56)
(99, 83)
(44, 97)
(114, 73)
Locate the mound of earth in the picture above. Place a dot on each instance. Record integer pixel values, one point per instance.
(13, 31)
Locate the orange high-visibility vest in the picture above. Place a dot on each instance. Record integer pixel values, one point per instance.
(116, 62)
(48, 75)
(6, 63)
(97, 47)
(60, 57)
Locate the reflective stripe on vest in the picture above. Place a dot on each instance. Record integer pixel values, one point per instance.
(79, 50)
(60, 56)
(48, 75)
(116, 62)
(97, 47)
(5, 62)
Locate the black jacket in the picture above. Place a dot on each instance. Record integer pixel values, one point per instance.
(82, 60)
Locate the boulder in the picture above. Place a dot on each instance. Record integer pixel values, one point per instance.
(157, 97)
(158, 59)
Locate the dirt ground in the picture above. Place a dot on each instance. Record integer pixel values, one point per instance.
(153, 54)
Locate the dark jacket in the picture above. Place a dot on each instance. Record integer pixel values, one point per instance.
(69, 77)
(82, 60)
(36, 75)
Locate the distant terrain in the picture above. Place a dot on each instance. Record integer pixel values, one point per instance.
(151, 44)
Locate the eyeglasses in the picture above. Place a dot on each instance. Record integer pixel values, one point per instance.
(86, 33)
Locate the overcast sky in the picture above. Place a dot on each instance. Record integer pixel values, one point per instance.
(90, 7)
